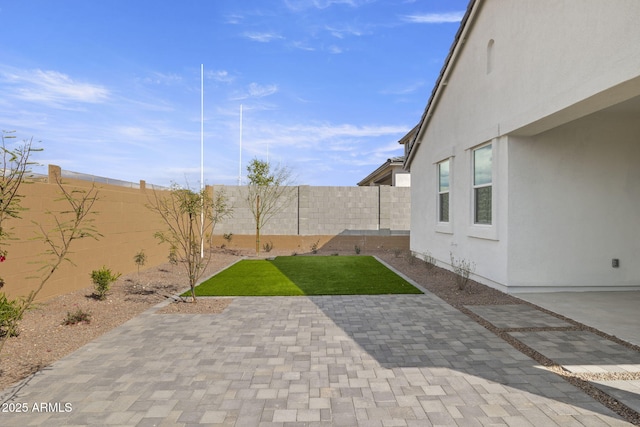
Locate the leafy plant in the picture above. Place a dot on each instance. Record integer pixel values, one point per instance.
(314, 246)
(268, 246)
(102, 280)
(11, 312)
(76, 317)
(357, 249)
(190, 218)
(227, 237)
(173, 255)
(268, 193)
(71, 224)
(140, 259)
(463, 269)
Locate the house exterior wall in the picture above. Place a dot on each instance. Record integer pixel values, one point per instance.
(575, 205)
(401, 178)
(523, 70)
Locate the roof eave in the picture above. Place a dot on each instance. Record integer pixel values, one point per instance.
(441, 82)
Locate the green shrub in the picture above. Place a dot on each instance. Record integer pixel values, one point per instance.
(357, 249)
(102, 280)
(173, 255)
(76, 317)
(267, 246)
(10, 314)
(140, 259)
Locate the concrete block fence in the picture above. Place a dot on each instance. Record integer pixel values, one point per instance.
(326, 211)
(316, 215)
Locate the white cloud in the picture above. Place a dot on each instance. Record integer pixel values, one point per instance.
(342, 32)
(255, 90)
(298, 5)
(259, 91)
(262, 37)
(162, 79)
(220, 76)
(435, 18)
(403, 90)
(336, 137)
(234, 19)
(52, 87)
(302, 46)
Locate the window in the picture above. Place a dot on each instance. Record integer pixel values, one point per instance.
(443, 191)
(482, 184)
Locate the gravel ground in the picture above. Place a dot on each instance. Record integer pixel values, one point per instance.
(44, 339)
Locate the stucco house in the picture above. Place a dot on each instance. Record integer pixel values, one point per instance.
(392, 172)
(526, 161)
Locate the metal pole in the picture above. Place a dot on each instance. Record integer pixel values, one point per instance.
(240, 162)
(202, 160)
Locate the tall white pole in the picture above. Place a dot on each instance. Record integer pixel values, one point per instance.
(202, 159)
(240, 162)
(201, 126)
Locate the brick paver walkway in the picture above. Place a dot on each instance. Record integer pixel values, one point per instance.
(391, 360)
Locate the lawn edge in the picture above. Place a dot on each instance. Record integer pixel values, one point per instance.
(402, 275)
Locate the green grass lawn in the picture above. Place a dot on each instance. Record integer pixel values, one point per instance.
(302, 275)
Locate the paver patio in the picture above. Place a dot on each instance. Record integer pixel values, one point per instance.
(407, 360)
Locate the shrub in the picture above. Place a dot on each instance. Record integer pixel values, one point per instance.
(102, 280)
(227, 237)
(10, 314)
(267, 246)
(411, 260)
(429, 261)
(397, 252)
(173, 255)
(357, 249)
(76, 317)
(140, 258)
(463, 269)
(314, 246)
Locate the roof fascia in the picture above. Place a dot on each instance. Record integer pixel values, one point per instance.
(389, 164)
(449, 63)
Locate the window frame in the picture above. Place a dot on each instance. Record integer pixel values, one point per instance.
(441, 226)
(480, 230)
(442, 192)
(482, 185)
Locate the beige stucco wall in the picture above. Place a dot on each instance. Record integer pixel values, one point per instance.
(126, 225)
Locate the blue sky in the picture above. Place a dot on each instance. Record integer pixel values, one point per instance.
(112, 88)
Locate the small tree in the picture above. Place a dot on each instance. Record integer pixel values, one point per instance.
(140, 259)
(15, 166)
(268, 193)
(71, 224)
(190, 218)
